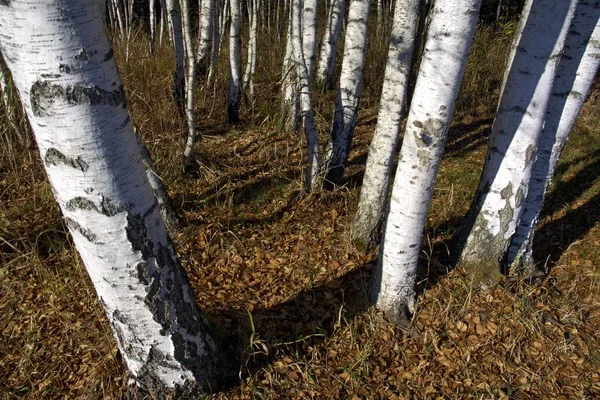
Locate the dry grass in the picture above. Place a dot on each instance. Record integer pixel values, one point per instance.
(273, 269)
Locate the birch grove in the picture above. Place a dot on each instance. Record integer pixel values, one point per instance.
(64, 70)
(349, 92)
(205, 35)
(382, 150)
(515, 137)
(448, 42)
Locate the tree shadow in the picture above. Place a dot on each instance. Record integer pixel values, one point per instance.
(463, 138)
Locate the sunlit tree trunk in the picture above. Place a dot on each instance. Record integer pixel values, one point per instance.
(190, 82)
(175, 28)
(448, 41)
(205, 36)
(309, 34)
(498, 205)
(235, 64)
(290, 101)
(248, 83)
(327, 58)
(575, 74)
(349, 92)
(63, 67)
(310, 130)
(378, 171)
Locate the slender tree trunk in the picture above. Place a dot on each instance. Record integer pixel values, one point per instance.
(366, 225)
(327, 58)
(174, 18)
(205, 37)
(575, 74)
(248, 82)
(349, 92)
(310, 130)
(498, 206)
(448, 41)
(152, 17)
(190, 83)
(235, 64)
(93, 162)
(290, 100)
(309, 35)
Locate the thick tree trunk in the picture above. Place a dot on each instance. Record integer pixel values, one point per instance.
(349, 92)
(515, 137)
(64, 70)
(309, 35)
(366, 225)
(310, 130)
(327, 58)
(575, 74)
(205, 36)
(235, 65)
(448, 41)
(175, 28)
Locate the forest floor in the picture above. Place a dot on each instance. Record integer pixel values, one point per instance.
(275, 273)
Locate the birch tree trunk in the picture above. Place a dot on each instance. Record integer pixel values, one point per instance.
(205, 37)
(190, 83)
(327, 58)
(310, 129)
(290, 100)
(498, 205)
(575, 74)
(63, 67)
(248, 83)
(366, 224)
(152, 18)
(174, 20)
(349, 92)
(309, 35)
(448, 41)
(235, 64)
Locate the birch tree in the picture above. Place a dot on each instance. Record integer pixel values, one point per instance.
(327, 57)
(176, 32)
(205, 35)
(310, 130)
(575, 74)
(63, 67)
(235, 64)
(290, 101)
(190, 83)
(442, 66)
(248, 83)
(349, 92)
(498, 205)
(378, 171)
(309, 35)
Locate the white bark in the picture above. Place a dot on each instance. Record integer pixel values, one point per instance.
(190, 83)
(349, 92)
(310, 129)
(152, 17)
(575, 74)
(63, 67)
(290, 100)
(327, 58)
(205, 37)
(515, 135)
(309, 35)
(448, 41)
(175, 28)
(235, 64)
(373, 194)
(248, 83)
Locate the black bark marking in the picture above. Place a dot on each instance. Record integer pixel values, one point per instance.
(80, 203)
(83, 55)
(43, 95)
(138, 235)
(109, 55)
(86, 233)
(55, 157)
(109, 209)
(66, 68)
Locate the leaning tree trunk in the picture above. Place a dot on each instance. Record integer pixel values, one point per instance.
(448, 42)
(575, 74)
(378, 171)
(205, 36)
(308, 120)
(498, 205)
(327, 58)
(309, 34)
(190, 82)
(63, 67)
(174, 20)
(235, 65)
(348, 96)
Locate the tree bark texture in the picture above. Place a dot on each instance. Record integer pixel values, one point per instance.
(327, 58)
(235, 65)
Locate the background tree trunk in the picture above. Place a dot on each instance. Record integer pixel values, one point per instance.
(235, 64)
(327, 58)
